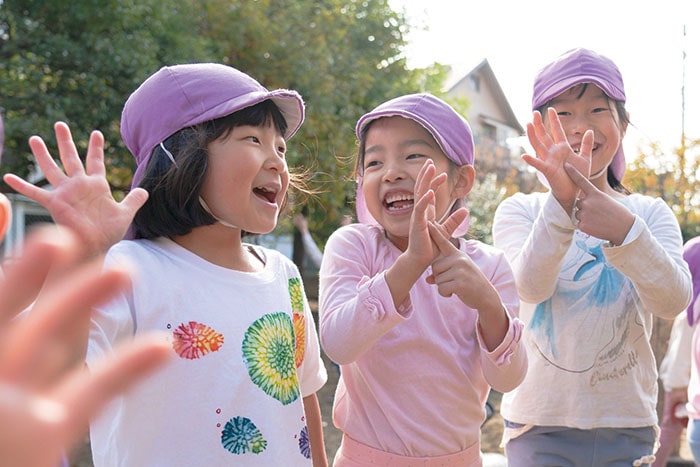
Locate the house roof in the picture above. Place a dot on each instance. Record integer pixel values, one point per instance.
(489, 79)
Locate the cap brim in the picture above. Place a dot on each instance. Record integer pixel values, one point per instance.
(559, 87)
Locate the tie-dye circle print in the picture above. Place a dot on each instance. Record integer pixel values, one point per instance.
(194, 340)
(268, 350)
(304, 445)
(241, 436)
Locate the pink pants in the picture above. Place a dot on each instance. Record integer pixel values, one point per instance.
(354, 454)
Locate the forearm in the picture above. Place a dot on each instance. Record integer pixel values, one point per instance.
(535, 242)
(312, 411)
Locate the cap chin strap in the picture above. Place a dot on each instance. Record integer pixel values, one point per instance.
(219, 220)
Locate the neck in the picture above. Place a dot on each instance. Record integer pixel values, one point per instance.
(221, 246)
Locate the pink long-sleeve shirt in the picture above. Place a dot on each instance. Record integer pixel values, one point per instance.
(412, 383)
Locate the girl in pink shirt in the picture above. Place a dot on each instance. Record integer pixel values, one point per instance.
(422, 322)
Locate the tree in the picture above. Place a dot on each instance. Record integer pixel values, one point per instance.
(79, 60)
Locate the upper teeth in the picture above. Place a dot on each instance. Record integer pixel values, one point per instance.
(398, 197)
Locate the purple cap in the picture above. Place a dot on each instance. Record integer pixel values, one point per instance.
(581, 66)
(691, 255)
(451, 131)
(180, 96)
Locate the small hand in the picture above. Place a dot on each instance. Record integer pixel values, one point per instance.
(597, 213)
(81, 199)
(553, 149)
(454, 272)
(45, 404)
(420, 247)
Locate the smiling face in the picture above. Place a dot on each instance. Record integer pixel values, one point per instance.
(586, 106)
(395, 149)
(247, 177)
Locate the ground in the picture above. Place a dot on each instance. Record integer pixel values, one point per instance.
(491, 431)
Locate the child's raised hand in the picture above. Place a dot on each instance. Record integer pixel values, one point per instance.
(46, 400)
(598, 214)
(420, 246)
(454, 273)
(553, 149)
(81, 199)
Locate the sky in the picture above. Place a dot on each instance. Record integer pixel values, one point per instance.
(645, 39)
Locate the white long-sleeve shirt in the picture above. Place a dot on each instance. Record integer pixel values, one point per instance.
(588, 310)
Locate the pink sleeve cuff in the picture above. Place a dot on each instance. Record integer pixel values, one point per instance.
(501, 355)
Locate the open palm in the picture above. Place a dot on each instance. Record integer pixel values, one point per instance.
(81, 198)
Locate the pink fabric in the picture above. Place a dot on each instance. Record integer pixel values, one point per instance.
(354, 454)
(413, 381)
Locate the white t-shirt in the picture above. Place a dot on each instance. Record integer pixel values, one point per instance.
(246, 354)
(588, 309)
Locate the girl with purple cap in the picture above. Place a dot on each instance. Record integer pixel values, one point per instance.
(422, 322)
(210, 145)
(593, 265)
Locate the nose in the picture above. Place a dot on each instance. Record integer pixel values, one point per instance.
(577, 124)
(276, 161)
(393, 172)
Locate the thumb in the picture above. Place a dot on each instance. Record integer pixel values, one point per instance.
(135, 199)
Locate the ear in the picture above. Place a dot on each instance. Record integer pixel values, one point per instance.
(464, 181)
(5, 215)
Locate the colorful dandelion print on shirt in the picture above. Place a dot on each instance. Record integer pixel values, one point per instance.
(241, 436)
(268, 351)
(304, 445)
(296, 294)
(194, 340)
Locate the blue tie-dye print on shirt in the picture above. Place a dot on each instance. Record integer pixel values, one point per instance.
(584, 303)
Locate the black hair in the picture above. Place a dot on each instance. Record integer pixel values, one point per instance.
(173, 207)
(614, 183)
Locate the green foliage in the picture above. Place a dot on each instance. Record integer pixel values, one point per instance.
(482, 202)
(79, 60)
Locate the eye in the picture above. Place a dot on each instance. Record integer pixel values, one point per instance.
(600, 109)
(369, 164)
(415, 156)
(563, 113)
(254, 139)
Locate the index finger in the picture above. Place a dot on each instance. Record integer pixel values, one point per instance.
(579, 179)
(441, 239)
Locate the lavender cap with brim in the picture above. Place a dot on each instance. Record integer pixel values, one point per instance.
(450, 130)
(691, 255)
(581, 66)
(180, 96)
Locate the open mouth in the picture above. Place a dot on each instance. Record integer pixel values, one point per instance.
(398, 202)
(265, 193)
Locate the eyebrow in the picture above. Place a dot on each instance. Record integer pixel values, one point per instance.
(403, 145)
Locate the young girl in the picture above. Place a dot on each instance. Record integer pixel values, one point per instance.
(210, 145)
(593, 265)
(422, 323)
